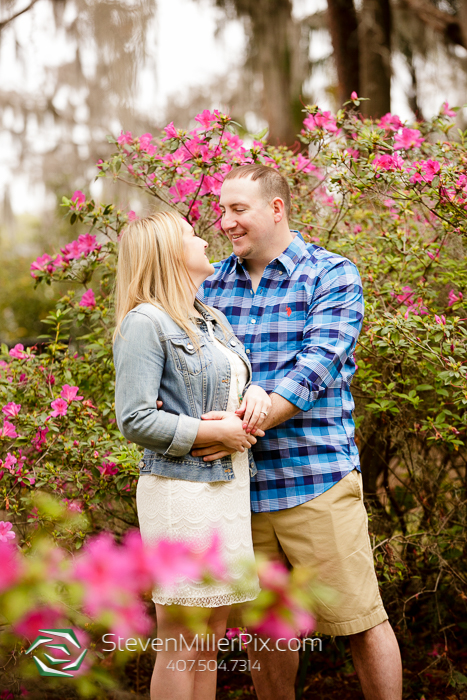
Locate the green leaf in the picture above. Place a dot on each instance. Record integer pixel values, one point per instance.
(424, 387)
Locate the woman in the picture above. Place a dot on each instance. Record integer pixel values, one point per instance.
(169, 346)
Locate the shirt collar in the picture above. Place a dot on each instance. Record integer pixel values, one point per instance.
(288, 259)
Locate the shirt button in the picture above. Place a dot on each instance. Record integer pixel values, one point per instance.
(253, 320)
(233, 344)
(190, 346)
(248, 351)
(280, 272)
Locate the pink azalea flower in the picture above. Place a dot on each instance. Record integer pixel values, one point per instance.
(387, 162)
(171, 560)
(304, 164)
(108, 469)
(207, 119)
(44, 263)
(73, 506)
(353, 95)
(453, 297)
(391, 122)
(125, 137)
(406, 297)
(211, 559)
(41, 618)
(320, 120)
(8, 430)
(60, 408)
(440, 321)
(40, 438)
(78, 199)
(11, 409)
(431, 169)
(5, 533)
(71, 251)
(132, 216)
(171, 131)
(87, 244)
(183, 188)
(447, 111)
(410, 138)
(9, 462)
(88, 300)
(10, 570)
(69, 393)
(145, 141)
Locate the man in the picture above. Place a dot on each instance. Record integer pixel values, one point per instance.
(298, 309)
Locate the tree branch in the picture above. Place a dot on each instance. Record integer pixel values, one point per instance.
(21, 12)
(439, 21)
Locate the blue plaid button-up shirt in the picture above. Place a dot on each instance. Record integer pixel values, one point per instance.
(299, 328)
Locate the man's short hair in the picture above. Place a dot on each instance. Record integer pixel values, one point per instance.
(272, 183)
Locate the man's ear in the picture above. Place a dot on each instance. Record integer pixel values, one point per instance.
(278, 208)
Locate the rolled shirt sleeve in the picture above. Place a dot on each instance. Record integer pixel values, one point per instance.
(139, 363)
(333, 324)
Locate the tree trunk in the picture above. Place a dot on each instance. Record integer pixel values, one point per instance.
(275, 43)
(375, 56)
(343, 26)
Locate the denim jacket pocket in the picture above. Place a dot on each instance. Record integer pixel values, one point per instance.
(187, 358)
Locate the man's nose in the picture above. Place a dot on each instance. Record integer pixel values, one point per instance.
(228, 222)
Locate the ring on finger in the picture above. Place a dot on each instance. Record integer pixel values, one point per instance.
(264, 413)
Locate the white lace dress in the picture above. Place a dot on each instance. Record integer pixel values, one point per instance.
(189, 510)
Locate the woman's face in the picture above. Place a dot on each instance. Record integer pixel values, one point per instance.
(196, 260)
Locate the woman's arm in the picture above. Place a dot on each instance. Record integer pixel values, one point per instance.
(139, 363)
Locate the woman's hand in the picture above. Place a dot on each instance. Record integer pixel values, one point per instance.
(254, 408)
(232, 434)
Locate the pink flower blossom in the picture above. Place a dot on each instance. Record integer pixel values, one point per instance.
(453, 297)
(207, 119)
(10, 570)
(321, 120)
(108, 469)
(87, 243)
(410, 138)
(78, 199)
(8, 430)
(145, 142)
(388, 162)
(5, 533)
(132, 216)
(125, 137)
(417, 308)
(69, 393)
(171, 131)
(88, 300)
(40, 438)
(406, 297)
(73, 506)
(447, 111)
(353, 95)
(44, 263)
(440, 321)
(391, 122)
(183, 188)
(40, 618)
(9, 462)
(303, 164)
(11, 409)
(60, 408)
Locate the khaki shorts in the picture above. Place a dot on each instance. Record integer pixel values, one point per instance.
(330, 534)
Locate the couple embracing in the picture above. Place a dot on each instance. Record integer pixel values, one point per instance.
(235, 378)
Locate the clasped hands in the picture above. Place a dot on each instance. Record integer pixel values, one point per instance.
(252, 413)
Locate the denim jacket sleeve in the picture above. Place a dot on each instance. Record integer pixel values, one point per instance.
(139, 363)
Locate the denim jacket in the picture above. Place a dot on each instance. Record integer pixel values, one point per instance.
(156, 359)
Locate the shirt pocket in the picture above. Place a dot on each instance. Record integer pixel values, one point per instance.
(189, 359)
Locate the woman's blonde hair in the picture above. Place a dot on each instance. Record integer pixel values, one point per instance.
(151, 269)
